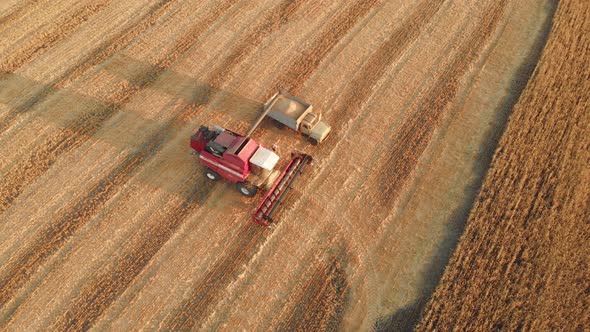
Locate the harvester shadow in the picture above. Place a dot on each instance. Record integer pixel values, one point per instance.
(187, 88)
(63, 105)
(220, 101)
(405, 319)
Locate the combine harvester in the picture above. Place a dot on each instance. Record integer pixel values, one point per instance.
(242, 161)
(249, 165)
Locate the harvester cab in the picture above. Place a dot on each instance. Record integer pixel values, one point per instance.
(242, 161)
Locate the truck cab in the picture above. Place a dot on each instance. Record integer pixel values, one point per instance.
(312, 126)
(297, 115)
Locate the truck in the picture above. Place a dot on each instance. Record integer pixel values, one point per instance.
(296, 114)
(249, 165)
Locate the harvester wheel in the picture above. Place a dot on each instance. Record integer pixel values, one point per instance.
(212, 175)
(247, 189)
(313, 141)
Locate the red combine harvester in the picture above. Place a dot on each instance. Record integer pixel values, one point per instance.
(241, 160)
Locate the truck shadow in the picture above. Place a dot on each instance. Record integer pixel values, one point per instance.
(59, 106)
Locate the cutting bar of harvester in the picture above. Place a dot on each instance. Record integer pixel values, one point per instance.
(273, 197)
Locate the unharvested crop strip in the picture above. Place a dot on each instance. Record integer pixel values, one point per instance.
(80, 130)
(44, 41)
(72, 136)
(523, 255)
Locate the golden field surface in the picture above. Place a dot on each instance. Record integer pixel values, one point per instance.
(108, 222)
(523, 260)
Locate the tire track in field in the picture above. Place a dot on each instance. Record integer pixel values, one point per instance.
(363, 84)
(78, 131)
(413, 136)
(44, 156)
(303, 67)
(104, 51)
(194, 309)
(44, 40)
(249, 240)
(20, 269)
(17, 13)
(320, 304)
(271, 23)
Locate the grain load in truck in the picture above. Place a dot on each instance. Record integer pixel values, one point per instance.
(297, 115)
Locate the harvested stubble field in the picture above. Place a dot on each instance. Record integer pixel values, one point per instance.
(108, 222)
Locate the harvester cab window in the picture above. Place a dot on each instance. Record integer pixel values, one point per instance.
(215, 148)
(310, 119)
